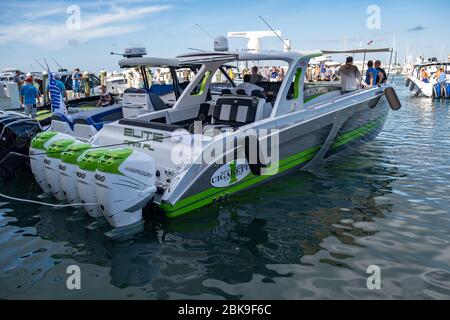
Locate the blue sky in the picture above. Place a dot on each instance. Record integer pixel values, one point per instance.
(38, 29)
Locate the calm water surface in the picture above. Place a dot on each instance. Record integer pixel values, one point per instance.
(303, 236)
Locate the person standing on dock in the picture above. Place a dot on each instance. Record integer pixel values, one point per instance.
(29, 97)
(350, 76)
(18, 80)
(76, 83)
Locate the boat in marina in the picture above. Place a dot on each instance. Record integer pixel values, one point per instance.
(206, 148)
(82, 123)
(429, 87)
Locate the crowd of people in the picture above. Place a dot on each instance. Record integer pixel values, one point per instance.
(348, 74)
(31, 91)
(322, 72)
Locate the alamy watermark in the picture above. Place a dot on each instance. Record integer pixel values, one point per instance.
(221, 144)
(374, 280)
(73, 22)
(373, 22)
(73, 281)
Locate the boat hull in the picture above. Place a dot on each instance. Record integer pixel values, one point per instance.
(299, 145)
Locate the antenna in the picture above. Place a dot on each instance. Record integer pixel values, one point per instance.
(288, 45)
(204, 31)
(195, 49)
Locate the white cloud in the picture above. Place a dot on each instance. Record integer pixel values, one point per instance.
(44, 13)
(56, 35)
(120, 15)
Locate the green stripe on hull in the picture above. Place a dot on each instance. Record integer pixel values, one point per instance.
(308, 99)
(206, 197)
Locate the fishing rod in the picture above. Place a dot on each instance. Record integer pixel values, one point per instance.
(48, 68)
(288, 45)
(60, 68)
(40, 64)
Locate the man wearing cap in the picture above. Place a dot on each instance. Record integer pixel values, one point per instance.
(29, 97)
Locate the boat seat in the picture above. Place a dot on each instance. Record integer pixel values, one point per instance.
(134, 90)
(61, 118)
(139, 101)
(157, 102)
(233, 111)
(99, 116)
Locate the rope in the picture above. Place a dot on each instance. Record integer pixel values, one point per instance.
(46, 203)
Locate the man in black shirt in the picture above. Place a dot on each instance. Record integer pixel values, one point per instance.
(382, 76)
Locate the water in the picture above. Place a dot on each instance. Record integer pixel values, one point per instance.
(304, 236)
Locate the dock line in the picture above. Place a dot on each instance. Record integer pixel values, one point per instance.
(48, 204)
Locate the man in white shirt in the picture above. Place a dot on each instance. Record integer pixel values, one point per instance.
(247, 86)
(350, 76)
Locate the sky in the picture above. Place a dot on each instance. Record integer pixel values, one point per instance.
(82, 33)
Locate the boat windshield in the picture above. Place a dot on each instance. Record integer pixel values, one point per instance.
(246, 76)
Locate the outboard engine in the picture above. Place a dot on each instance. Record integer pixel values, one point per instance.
(437, 91)
(37, 152)
(52, 163)
(125, 183)
(447, 90)
(85, 179)
(68, 170)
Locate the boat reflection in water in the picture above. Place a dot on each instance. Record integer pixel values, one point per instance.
(199, 253)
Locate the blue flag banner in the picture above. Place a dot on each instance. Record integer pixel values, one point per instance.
(56, 97)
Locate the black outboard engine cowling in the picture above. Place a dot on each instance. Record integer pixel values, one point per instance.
(15, 139)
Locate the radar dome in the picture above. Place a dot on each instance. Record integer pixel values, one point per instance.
(220, 43)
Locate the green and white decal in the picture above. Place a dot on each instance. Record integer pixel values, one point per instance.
(230, 173)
